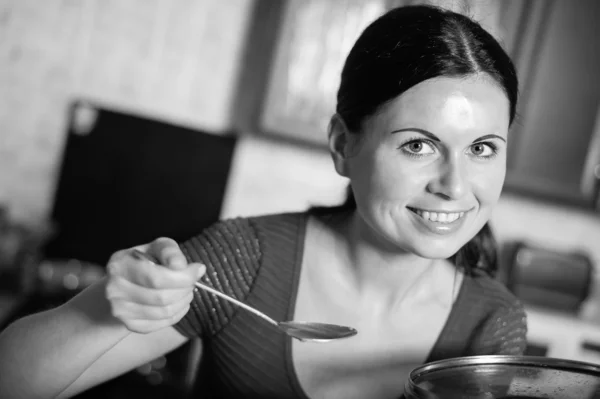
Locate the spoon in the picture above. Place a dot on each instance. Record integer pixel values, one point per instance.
(302, 330)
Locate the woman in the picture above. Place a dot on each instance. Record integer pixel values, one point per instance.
(424, 108)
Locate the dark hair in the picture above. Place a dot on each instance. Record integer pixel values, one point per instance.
(411, 44)
(407, 46)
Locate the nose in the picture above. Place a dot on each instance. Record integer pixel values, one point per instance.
(451, 181)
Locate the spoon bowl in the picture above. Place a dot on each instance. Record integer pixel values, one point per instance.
(316, 332)
(302, 330)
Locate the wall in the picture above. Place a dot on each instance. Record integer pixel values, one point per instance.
(174, 60)
(269, 176)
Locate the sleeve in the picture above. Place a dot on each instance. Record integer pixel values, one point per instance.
(504, 332)
(231, 252)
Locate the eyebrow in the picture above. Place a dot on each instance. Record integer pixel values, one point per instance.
(436, 138)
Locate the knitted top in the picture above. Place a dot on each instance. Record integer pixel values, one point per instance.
(258, 260)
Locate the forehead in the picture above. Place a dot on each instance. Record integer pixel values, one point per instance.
(474, 104)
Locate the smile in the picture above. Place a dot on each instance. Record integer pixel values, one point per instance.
(438, 222)
(439, 217)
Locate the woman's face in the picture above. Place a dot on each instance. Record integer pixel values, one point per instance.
(431, 165)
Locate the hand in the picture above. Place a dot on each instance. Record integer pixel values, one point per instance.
(145, 296)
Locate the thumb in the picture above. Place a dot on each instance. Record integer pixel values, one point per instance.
(176, 261)
(198, 270)
(168, 253)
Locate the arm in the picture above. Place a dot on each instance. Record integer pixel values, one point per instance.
(109, 328)
(66, 350)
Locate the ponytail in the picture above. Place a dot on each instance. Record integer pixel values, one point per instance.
(479, 254)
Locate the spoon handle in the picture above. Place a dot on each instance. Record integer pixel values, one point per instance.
(233, 300)
(144, 256)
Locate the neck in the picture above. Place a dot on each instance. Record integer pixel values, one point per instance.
(379, 273)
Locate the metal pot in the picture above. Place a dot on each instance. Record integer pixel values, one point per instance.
(504, 377)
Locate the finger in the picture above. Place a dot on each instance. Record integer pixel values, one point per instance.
(168, 253)
(125, 310)
(120, 288)
(150, 275)
(181, 314)
(148, 326)
(118, 256)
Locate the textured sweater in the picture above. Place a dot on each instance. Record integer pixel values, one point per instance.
(258, 260)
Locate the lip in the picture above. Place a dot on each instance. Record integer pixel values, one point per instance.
(439, 228)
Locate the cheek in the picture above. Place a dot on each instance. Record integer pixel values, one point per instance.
(487, 185)
(388, 179)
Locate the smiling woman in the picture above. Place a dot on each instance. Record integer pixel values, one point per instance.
(431, 163)
(420, 130)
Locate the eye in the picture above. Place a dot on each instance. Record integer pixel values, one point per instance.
(418, 148)
(483, 150)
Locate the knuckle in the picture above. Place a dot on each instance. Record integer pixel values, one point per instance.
(164, 240)
(113, 288)
(112, 268)
(189, 297)
(160, 298)
(179, 315)
(165, 243)
(120, 254)
(115, 312)
(119, 309)
(110, 290)
(168, 247)
(164, 312)
(151, 280)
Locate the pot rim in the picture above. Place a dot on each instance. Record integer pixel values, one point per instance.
(507, 360)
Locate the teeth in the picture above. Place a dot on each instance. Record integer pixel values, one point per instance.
(440, 217)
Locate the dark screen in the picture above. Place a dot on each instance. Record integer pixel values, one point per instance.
(131, 179)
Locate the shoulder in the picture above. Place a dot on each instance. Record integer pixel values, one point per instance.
(493, 304)
(502, 321)
(233, 251)
(490, 294)
(225, 240)
(240, 238)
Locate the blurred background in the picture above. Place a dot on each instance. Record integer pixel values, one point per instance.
(121, 121)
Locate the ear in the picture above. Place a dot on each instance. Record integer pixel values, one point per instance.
(339, 142)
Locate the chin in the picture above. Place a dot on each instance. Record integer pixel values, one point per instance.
(435, 252)
(437, 248)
